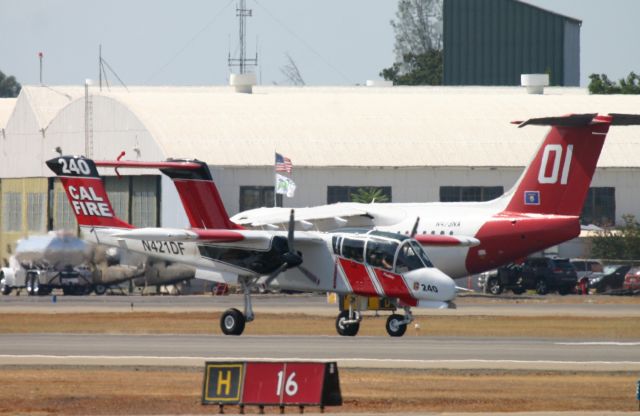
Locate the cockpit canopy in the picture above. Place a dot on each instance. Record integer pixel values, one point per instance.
(389, 251)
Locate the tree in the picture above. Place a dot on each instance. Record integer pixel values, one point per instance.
(601, 84)
(622, 243)
(9, 87)
(367, 195)
(424, 69)
(418, 44)
(418, 28)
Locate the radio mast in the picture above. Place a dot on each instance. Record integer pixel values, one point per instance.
(242, 61)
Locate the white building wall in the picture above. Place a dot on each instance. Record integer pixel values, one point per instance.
(22, 143)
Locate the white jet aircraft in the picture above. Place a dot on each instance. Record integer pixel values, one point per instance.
(541, 210)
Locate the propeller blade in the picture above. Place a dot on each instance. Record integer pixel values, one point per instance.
(274, 274)
(292, 228)
(414, 230)
(312, 277)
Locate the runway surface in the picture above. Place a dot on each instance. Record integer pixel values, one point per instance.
(407, 352)
(550, 305)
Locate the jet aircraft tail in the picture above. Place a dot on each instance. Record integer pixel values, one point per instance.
(558, 178)
(86, 192)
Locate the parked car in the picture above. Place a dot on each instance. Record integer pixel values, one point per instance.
(585, 268)
(540, 273)
(611, 278)
(632, 279)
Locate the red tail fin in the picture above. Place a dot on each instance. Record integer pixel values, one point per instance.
(86, 193)
(200, 197)
(558, 178)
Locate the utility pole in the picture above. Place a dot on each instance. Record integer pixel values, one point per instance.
(40, 56)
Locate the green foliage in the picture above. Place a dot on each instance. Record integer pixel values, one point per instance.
(418, 27)
(9, 87)
(601, 84)
(367, 195)
(621, 243)
(424, 69)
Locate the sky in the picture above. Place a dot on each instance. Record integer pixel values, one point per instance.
(333, 42)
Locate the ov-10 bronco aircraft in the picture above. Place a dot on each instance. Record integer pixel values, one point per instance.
(541, 210)
(367, 263)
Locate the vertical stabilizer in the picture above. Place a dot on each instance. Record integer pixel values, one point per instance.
(85, 191)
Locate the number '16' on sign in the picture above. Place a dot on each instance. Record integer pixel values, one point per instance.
(557, 151)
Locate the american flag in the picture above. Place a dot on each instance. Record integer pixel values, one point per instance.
(283, 164)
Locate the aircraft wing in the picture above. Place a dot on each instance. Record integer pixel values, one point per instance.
(446, 240)
(195, 235)
(280, 216)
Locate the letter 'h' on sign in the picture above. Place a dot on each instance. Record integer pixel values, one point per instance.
(272, 384)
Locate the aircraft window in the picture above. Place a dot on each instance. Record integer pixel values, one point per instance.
(450, 232)
(353, 249)
(441, 232)
(408, 259)
(381, 253)
(433, 232)
(421, 253)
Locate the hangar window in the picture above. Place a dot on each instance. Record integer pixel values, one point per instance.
(599, 207)
(118, 192)
(12, 211)
(358, 194)
(469, 193)
(36, 211)
(257, 196)
(144, 200)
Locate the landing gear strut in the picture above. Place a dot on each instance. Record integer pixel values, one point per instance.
(232, 321)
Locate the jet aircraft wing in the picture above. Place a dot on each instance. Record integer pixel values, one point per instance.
(260, 217)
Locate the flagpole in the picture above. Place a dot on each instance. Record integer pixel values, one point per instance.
(275, 182)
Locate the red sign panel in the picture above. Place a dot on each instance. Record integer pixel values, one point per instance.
(261, 384)
(302, 383)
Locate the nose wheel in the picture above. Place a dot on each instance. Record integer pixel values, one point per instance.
(348, 326)
(396, 326)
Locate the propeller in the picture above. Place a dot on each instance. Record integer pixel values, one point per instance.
(291, 258)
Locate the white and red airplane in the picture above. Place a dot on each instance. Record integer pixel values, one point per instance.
(541, 210)
(361, 262)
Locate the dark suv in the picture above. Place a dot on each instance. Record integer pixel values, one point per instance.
(540, 273)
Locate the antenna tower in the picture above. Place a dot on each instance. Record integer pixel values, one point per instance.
(242, 61)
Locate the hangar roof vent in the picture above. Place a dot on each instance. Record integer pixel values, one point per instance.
(534, 83)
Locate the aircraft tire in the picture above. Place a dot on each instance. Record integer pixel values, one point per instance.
(232, 322)
(395, 327)
(346, 330)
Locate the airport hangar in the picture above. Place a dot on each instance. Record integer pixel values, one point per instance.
(416, 143)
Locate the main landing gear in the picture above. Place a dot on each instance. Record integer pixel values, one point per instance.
(348, 322)
(232, 321)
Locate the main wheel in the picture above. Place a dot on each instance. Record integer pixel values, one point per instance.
(31, 284)
(232, 322)
(542, 288)
(344, 329)
(493, 286)
(395, 326)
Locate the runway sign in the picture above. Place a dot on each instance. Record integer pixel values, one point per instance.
(272, 384)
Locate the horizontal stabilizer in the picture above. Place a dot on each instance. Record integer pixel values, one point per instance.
(582, 120)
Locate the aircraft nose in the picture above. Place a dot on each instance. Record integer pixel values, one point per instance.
(446, 285)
